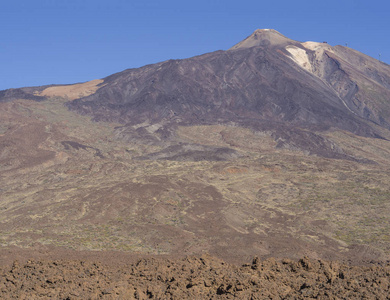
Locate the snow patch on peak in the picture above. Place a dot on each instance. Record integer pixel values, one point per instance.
(300, 57)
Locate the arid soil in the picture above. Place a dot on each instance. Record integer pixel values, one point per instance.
(72, 92)
(202, 277)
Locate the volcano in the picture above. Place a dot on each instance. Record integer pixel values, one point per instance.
(274, 148)
(267, 82)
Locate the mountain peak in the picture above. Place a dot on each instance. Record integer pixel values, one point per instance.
(263, 37)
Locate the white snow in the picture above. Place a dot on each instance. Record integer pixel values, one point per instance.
(300, 57)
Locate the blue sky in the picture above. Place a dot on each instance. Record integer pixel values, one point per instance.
(68, 41)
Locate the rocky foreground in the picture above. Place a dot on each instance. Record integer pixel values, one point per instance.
(202, 277)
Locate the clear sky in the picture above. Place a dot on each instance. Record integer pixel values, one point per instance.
(68, 41)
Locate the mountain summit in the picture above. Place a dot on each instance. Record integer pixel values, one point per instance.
(263, 37)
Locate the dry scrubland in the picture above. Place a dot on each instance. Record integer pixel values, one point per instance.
(70, 182)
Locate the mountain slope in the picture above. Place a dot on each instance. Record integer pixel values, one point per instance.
(267, 82)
